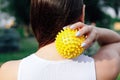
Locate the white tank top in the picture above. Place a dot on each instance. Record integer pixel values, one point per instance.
(35, 68)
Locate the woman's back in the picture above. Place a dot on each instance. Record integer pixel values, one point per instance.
(35, 68)
(48, 17)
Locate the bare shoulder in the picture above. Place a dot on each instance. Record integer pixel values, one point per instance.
(107, 62)
(9, 70)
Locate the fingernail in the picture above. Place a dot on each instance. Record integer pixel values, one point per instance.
(72, 27)
(78, 33)
(83, 44)
(64, 27)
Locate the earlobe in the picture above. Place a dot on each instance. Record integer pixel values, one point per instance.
(82, 17)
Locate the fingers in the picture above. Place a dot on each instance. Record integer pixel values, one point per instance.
(77, 25)
(90, 40)
(85, 30)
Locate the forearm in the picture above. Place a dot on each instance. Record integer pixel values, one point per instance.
(106, 36)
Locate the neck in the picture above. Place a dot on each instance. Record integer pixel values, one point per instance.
(49, 52)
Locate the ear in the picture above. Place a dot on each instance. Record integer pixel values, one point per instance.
(82, 17)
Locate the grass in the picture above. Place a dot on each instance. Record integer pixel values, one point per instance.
(118, 78)
(27, 47)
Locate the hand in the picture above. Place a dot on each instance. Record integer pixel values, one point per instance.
(88, 30)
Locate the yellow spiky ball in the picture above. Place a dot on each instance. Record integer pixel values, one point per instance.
(68, 45)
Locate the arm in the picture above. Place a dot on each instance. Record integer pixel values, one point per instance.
(9, 70)
(106, 36)
(107, 59)
(103, 36)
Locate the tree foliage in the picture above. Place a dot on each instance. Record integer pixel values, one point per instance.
(93, 11)
(114, 4)
(95, 14)
(20, 9)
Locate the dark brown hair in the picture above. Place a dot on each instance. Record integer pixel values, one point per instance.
(48, 17)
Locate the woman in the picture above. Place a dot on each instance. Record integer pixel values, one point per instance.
(48, 17)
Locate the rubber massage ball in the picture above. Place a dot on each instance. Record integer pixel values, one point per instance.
(68, 45)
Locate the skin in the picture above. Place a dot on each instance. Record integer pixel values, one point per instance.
(107, 59)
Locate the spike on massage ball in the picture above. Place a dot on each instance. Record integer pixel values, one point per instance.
(68, 45)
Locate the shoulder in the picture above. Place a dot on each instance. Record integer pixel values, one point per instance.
(8, 68)
(107, 62)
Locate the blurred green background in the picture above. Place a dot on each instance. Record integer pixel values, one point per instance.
(16, 37)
